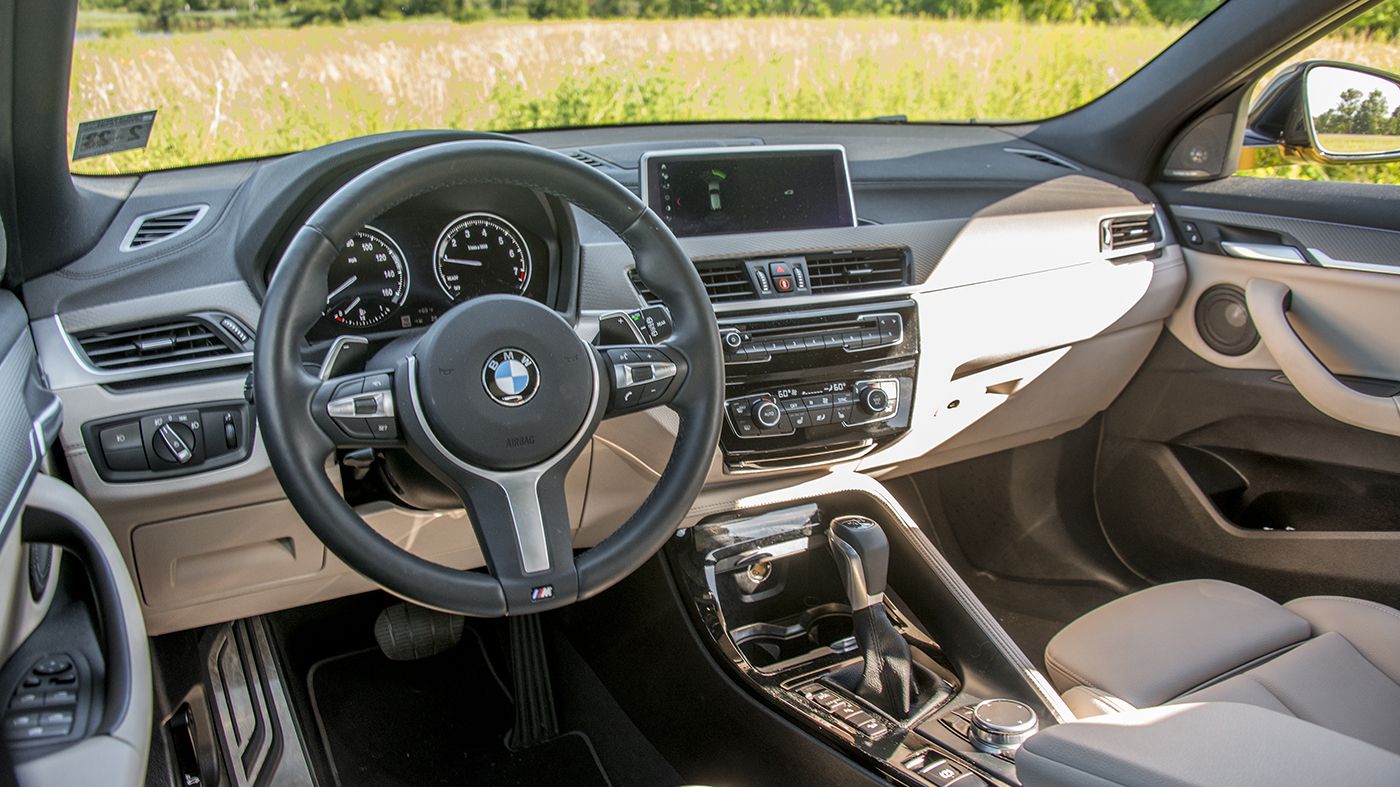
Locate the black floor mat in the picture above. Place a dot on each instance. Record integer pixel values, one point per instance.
(411, 723)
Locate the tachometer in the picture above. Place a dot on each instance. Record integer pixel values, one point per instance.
(481, 253)
(368, 280)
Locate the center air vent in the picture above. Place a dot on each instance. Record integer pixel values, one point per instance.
(1123, 231)
(592, 161)
(180, 339)
(827, 272)
(725, 280)
(858, 270)
(153, 228)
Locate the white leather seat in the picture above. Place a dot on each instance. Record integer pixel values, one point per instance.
(1328, 660)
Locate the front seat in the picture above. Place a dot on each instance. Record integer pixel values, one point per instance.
(1328, 660)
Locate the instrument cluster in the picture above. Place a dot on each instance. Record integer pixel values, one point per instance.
(408, 267)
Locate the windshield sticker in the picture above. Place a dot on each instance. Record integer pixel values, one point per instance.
(113, 135)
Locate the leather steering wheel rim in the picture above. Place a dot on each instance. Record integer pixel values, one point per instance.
(298, 445)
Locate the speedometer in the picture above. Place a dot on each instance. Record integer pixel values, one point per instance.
(368, 280)
(481, 253)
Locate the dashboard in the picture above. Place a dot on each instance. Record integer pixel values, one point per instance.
(969, 306)
(410, 265)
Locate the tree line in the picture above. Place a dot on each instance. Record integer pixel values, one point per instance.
(172, 14)
(1354, 114)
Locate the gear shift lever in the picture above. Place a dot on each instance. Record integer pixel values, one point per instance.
(862, 558)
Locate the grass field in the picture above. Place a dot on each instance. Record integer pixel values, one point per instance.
(1358, 143)
(239, 93)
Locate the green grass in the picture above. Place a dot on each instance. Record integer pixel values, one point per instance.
(1359, 143)
(239, 93)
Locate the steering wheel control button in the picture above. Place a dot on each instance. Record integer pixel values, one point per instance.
(349, 389)
(364, 408)
(1000, 726)
(640, 375)
(382, 428)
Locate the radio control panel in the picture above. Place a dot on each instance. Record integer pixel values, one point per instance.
(761, 343)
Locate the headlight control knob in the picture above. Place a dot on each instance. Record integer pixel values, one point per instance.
(174, 443)
(766, 412)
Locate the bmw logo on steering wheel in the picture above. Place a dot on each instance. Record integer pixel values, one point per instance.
(511, 377)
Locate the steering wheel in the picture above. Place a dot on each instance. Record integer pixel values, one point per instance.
(496, 399)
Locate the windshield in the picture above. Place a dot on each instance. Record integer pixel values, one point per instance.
(233, 79)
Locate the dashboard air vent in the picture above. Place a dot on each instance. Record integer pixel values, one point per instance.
(1043, 157)
(1121, 232)
(592, 161)
(153, 228)
(857, 270)
(180, 339)
(725, 280)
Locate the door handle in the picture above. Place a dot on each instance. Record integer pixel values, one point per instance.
(1263, 252)
(1268, 308)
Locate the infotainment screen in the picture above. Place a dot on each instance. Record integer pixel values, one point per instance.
(718, 191)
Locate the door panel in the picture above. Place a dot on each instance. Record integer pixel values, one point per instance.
(1350, 320)
(29, 418)
(1213, 462)
(74, 603)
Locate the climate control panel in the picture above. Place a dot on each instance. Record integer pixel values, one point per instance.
(788, 409)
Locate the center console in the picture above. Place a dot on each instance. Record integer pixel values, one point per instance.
(793, 598)
(811, 387)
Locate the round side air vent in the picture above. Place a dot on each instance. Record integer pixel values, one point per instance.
(1222, 319)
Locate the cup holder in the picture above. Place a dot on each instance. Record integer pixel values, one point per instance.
(774, 646)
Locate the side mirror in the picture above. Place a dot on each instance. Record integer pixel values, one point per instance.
(1329, 113)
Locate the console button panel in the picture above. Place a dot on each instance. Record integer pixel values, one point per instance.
(171, 442)
(785, 410)
(45, 707)
(754, 342)
(845, 711)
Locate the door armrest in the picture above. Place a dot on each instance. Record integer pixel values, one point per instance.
(1268, 303)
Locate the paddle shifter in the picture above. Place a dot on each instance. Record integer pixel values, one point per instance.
(862, 558)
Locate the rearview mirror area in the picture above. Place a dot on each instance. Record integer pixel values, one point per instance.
(1327, 112)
